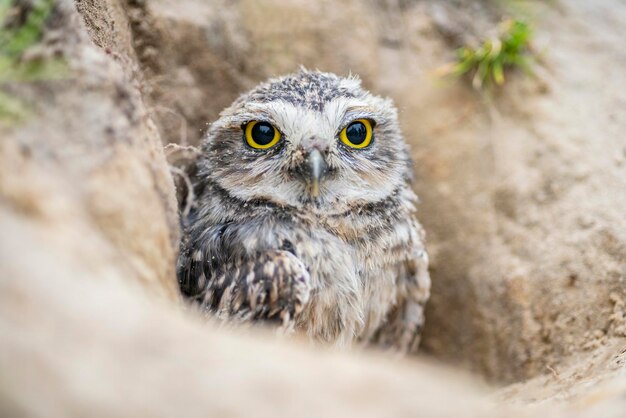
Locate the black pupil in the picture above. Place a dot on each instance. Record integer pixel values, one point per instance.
(262, 133)
(356, 133)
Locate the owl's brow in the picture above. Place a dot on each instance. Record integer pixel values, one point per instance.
(236, 121)
(340, 112)
(360, 113)
(260, 111)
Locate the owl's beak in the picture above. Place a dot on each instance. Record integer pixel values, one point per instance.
(317, 168)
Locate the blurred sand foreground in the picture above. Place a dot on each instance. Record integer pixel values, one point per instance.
(523, 196)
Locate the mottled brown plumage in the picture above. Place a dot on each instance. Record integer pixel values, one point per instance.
(309, 232)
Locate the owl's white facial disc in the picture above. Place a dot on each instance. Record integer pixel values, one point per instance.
(309, 109)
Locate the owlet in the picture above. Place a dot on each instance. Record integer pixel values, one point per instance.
(304, 215)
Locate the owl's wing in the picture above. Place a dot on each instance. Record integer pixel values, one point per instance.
(403, 327)
(275, 285)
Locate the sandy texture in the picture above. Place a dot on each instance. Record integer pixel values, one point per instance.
(523, 199)
(89, 165)
(89, 344)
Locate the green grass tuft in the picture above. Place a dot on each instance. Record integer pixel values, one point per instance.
(15, 40)
(488, 63)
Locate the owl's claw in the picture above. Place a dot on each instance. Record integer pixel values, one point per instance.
(274, 287)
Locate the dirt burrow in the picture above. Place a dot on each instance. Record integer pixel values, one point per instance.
(521, 199)
(89, 316)
(523, 192)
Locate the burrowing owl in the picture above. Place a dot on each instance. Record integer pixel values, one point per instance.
(305, 215)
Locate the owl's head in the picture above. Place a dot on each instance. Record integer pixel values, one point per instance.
(310, 140)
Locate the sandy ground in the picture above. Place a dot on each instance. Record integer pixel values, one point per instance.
(523, 195)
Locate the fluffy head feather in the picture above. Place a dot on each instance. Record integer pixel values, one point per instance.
(309, 109)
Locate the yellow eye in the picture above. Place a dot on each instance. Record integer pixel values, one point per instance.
(358, 134)
(261, 135)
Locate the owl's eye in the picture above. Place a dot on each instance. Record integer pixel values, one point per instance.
(261, 135)
(357, 134)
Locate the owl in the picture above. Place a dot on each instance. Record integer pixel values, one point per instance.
(304, 216)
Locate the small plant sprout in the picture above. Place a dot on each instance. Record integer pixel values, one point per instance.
(487, 63)
(15, 39)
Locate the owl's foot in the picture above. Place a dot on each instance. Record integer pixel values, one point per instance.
(274, 287)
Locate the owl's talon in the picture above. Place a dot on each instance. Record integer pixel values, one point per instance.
(275, 287)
